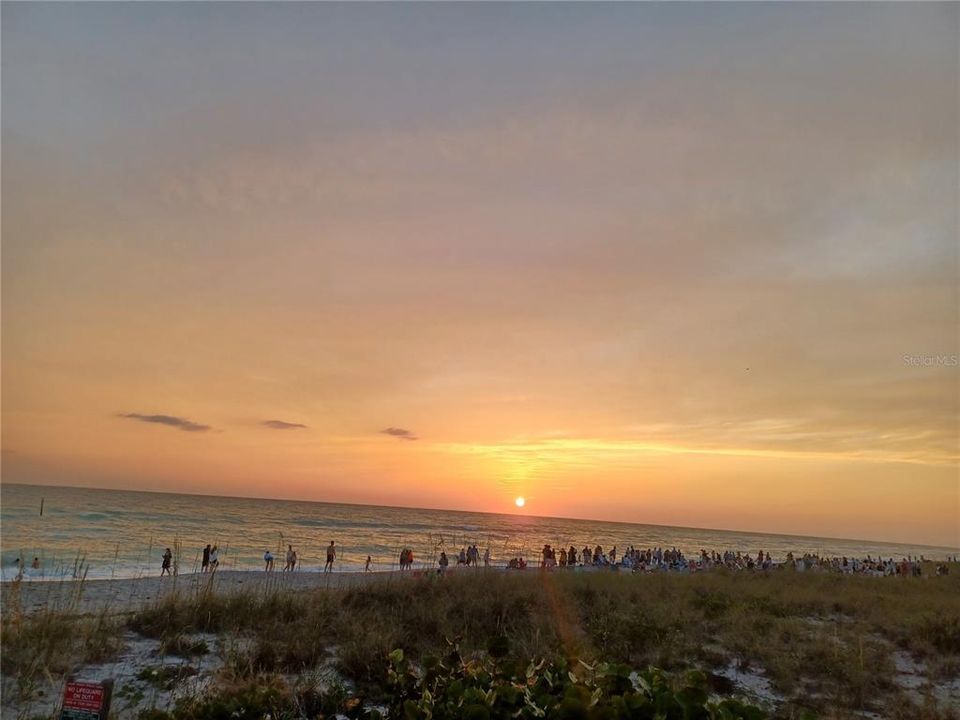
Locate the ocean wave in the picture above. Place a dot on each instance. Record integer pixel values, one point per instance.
(96, 516)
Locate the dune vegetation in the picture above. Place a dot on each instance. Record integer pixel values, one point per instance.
(794, 645)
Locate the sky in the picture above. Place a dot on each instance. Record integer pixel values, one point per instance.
(682, 264)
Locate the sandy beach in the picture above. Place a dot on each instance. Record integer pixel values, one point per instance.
(128, 594)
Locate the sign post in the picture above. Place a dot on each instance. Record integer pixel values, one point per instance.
(86, 701)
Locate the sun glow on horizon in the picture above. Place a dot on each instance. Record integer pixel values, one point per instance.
(520, 501)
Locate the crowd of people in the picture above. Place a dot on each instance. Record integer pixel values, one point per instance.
(909, 566)
(471, 556)
(661, 559)
(632, 559)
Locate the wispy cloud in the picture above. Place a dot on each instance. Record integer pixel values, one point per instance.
(170, 420)
(282, 425)
(399, 433)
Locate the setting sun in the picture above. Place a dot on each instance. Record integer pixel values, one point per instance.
(520, 502)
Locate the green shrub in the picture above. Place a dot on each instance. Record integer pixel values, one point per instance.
(461, 689)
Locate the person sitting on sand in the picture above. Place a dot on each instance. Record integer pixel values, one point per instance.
(205, 563)
(331, 556)
(268, 561)
(167, 559)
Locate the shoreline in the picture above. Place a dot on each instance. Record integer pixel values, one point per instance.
(120, 595)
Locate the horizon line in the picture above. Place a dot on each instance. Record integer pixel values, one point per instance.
(483, 512)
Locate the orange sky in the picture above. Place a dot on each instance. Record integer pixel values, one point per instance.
(689, 265)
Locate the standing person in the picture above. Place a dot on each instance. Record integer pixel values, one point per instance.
(442, 562)
(331, 556)
(291, 559)
(486, 557)
(268, 561)
(167, 559)
(205, 563)
(367, 566)
(214, 558)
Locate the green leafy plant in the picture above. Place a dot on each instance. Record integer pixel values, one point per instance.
(486, 688)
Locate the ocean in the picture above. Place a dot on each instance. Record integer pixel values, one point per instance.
(122, 534)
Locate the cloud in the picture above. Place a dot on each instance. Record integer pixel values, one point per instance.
(171, 420)
(399, 433)
(281, 425)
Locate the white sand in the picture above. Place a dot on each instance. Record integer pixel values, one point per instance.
(126, 595)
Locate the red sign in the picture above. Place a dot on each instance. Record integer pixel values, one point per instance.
(83, 696)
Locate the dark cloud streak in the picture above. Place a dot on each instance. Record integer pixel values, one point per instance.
(282, 425)
(399, 433)
(169, 420)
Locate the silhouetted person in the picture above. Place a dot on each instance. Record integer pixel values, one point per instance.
(331, 556)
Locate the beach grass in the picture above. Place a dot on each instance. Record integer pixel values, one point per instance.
(50, 643)
(824, 643)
